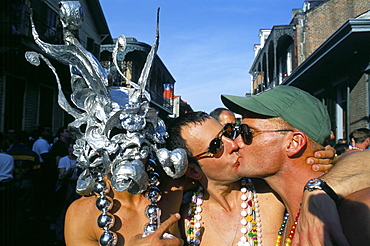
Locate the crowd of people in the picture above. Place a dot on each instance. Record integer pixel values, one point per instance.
(38, 175)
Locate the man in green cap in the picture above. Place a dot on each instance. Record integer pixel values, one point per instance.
(292, 124)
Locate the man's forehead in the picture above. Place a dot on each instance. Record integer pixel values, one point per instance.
(200, 129)
(255, 122)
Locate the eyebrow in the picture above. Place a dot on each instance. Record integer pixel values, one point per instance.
(217, 136)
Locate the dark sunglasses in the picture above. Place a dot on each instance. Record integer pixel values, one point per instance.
(216, 145)
(247, 134)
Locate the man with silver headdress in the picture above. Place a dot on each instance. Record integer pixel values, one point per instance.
(120, 141)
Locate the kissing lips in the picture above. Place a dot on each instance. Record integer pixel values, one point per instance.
(237, 163)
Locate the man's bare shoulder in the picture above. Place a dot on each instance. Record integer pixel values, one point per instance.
(84, 206)
(80, 224)
(355, 156)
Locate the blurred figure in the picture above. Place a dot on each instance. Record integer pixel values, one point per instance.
(25, 159)
(7, 199)
(27, 173)
(360, 140)
(341, 141)
(10, 138)
(223, 116)
(6, 164)
(341, 148)
(48, 170)
(42, 144)
(65, 190)
(6, 168)
(60, 147)
(27, 182)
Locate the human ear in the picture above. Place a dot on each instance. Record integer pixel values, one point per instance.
(194, 171)
(297, 144)
(367, 141)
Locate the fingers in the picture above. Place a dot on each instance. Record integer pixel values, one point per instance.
(321, 167)
(167, 224)
(322, 160)
(329, 152)
(158, 237)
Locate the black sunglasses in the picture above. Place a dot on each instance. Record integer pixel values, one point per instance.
(216, 145)
(247, 134)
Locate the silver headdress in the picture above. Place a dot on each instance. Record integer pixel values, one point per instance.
(118, 134)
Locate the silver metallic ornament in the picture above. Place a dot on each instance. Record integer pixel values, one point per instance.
(104, 202)
(153, 194)
(108, 238)
(152, 211)
(106, 220)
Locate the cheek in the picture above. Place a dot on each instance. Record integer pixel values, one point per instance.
(261, 151)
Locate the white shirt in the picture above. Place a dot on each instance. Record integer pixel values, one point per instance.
(41, 146)
(66, 163)
(6, 167)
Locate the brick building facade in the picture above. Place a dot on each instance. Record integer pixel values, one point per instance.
(325, 50)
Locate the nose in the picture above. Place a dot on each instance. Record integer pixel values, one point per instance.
(228, 141)
(239, 141)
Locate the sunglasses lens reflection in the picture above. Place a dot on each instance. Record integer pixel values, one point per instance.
(215, 146)
(229, 131)
(246, 133)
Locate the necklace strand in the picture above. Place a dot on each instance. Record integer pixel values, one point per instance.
(251, 222)
(281, 233)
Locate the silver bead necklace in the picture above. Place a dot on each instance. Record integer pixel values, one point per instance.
(105, 203)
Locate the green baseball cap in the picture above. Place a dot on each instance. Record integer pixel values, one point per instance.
(297, 107)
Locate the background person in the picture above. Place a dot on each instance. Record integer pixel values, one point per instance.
(341, 141)
(223, 115)
(8, 229)
(65, 190)
(360, 139)
(341, 148)
(60, 147)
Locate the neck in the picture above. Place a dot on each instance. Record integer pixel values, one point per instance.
(126, 198)
(361, 146)
(225, 195)
(290, 187)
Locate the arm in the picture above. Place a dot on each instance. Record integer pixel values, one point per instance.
(62, 172)
(351, 173)
(319, 215)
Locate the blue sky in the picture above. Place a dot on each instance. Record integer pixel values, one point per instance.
(207, 45)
